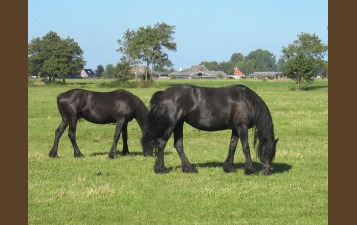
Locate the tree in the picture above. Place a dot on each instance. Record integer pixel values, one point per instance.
(54, 57)
(258, 60)
(303, 57)
(148, 45)
(123, 70)
(248, 66)
(126, 47)
(98, 72)
(109, 71)
(263, 60)
(237, 57)
(226, 67)
(213, 65)
(322, 70)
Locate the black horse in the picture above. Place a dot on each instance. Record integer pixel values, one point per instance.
(210, 109)
(118, 107)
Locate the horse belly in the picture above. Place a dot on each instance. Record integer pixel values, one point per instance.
(98, 116)
(209, 123)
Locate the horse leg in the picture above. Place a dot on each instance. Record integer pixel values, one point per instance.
(72, 137)
(228, 166)
(113, 151)
(58, 133)
(161, 143)
(187, 167)
(125, 139)
(243, 134)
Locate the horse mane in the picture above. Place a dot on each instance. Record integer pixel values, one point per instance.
(264, 128)
(157, 121)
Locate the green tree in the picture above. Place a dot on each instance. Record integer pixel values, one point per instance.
(323, 69)
(303, 57)
(123, 70)
(54, 57)
(263, 60)
(109, 71)
(213, 65)
(126, 47)
(237, 57)
(148, 44)
(248, 66)
(98, 72)
(226, 67)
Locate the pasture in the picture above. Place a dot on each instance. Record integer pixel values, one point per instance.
(98, 190)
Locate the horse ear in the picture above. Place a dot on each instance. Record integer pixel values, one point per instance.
(276, 140)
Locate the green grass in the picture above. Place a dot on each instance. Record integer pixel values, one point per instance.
(97, 190)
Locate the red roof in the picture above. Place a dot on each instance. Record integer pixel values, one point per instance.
(238, 72)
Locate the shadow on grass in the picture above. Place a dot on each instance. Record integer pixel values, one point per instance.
(311, 88)
(277, 167)
(118, 152)
(121, 154)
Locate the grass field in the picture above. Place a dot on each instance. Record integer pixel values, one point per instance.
(97, 190)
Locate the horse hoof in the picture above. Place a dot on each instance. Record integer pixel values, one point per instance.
(265, 172)
(53, 155)
(112, 156)
(146, 154)
(228, 168)
(125, 152)
(250, 171)
(161, 170)
(189, 169)
(80, 155)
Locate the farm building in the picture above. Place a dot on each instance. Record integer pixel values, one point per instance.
(160, 75)
(237, 74)
(197, 72)
(85, 73)
(268, 75)
(139, 72)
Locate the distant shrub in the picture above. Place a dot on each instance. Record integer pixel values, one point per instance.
(115, 84)
(126, 84)
(143, 84)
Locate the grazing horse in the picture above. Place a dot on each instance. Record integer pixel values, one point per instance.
(118, 107)
(236, 107)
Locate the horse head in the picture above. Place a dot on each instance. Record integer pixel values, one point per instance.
(148, 150)
(266, 154)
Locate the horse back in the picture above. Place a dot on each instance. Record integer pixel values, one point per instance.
(210, 108)
(96, 107)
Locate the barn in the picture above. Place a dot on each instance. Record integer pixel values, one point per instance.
(266, 75)
(197, 72)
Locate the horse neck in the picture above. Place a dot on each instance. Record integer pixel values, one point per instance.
(264, 123)
(141, 114)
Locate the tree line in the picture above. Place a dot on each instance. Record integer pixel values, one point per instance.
(258, 60)
(54, 57)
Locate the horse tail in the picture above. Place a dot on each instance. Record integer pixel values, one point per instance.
(158, 122)
(59, 107)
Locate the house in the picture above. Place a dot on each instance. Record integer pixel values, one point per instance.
(160, 75)
(237, 74)
(85, 73)
(197, 72)
(268, 75)
(138, 71)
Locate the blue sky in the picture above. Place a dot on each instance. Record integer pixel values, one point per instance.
(205, 30)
